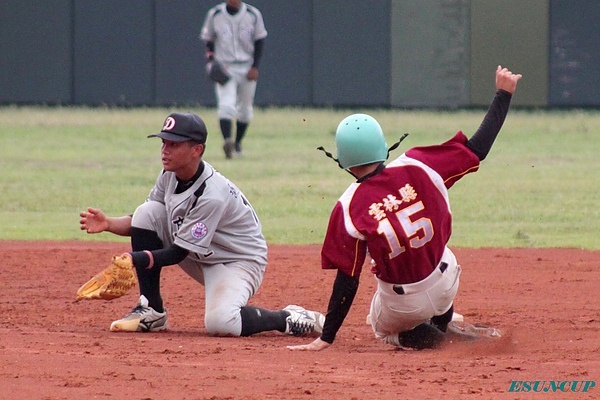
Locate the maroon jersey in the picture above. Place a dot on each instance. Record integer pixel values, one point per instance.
(401, 217)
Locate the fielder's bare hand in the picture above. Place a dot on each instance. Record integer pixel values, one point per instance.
(316, 345)
(93, 221)
(506, 80)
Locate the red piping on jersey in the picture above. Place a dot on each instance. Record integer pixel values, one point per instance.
(462, 173)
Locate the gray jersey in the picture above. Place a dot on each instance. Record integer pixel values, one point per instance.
(212, 219)
(233, 35)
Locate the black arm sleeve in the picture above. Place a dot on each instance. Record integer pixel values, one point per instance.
(169, 256)
(258, 51)
(482, 141)
(342, 296)
(210, 48)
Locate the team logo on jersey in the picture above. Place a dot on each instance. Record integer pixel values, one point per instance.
(199, 230)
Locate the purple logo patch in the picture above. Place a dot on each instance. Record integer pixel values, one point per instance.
(199, 230)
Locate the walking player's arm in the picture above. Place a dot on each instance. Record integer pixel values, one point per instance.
(253, 72)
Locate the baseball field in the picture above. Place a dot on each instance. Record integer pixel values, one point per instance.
(526, 229)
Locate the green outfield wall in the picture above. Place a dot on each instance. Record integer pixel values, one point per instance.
(333, 53)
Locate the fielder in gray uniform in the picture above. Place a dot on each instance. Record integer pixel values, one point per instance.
(197, 218)
(234, 34)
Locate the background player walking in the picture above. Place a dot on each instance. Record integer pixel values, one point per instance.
(234, 34)
(399, 215)
(197, 218)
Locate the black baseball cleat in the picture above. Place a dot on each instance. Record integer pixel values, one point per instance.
(423, 336)
(229, 148)
(238, 149)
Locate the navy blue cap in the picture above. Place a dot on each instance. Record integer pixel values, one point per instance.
(180, 127)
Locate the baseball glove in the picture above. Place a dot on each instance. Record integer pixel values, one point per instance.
(113, 282)
(217, 72)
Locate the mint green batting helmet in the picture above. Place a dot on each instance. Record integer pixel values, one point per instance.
(359, 140)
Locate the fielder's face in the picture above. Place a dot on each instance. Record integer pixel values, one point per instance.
(182, 158)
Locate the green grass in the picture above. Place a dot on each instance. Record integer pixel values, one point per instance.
(536, 189)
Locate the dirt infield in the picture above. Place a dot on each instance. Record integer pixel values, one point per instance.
(545, 302)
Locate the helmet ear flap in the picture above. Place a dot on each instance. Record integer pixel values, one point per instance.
(359, 141)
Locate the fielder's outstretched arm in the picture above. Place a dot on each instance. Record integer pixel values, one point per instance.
(93, 220)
